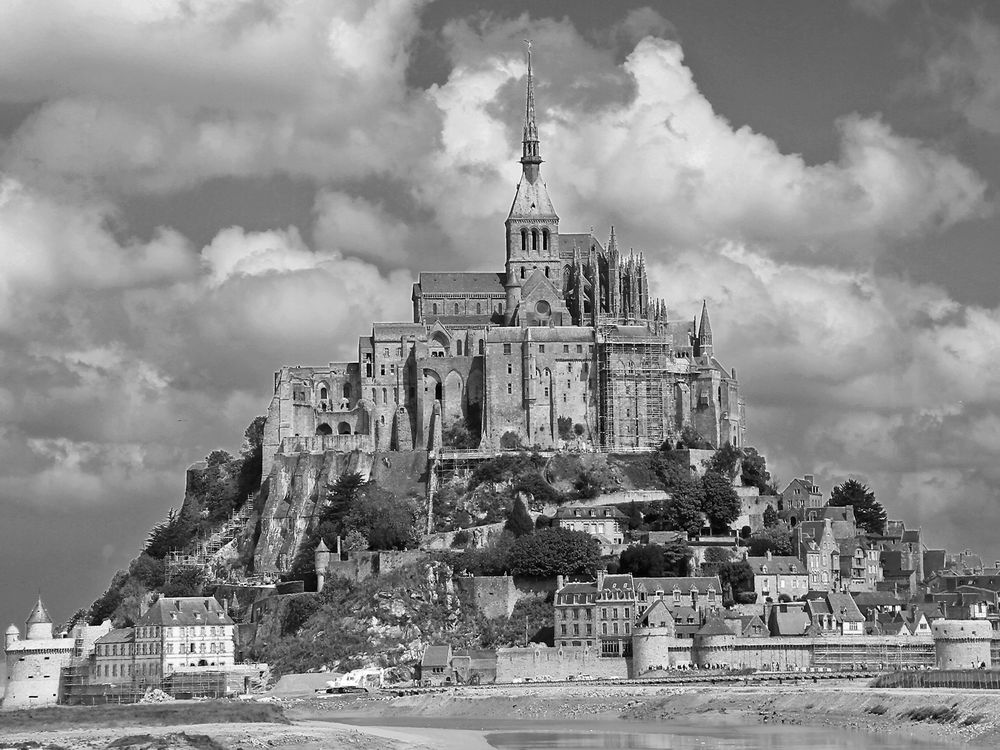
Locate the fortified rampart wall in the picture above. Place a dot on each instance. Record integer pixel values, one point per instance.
(536, 662)
(961, 644)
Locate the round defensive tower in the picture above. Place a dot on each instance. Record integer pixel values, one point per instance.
(962, 644)
(657, 648)
(715, 645)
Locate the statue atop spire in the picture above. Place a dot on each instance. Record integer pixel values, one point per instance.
(530, 158)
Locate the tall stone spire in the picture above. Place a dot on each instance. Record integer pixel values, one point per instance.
(705, 332)
(530, 158)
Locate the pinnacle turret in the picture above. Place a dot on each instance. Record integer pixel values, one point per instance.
(705, 332)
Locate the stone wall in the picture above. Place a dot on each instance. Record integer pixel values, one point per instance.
(33, 673)
(558, 663)
(493, 596)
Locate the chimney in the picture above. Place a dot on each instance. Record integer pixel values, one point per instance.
(769, 554)
(600, 577)
(560, 582)
(338, 546)
(809, 479)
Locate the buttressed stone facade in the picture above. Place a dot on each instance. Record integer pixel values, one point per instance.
(565, 341)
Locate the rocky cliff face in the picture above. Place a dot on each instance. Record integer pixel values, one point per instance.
(297, 487)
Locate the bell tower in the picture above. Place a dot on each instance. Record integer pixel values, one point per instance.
(532, 224)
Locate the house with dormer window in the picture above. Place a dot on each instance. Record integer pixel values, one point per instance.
(774, 575)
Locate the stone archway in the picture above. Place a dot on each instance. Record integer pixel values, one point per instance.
(324, 429)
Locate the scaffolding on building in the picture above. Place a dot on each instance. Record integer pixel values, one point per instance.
(867, 653)
(202, 553)
(632, 389)
(82, 686)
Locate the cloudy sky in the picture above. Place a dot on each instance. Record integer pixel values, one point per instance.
(195, 192)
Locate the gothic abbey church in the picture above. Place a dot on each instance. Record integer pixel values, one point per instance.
(565, 345)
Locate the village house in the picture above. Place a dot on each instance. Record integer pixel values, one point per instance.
(114, 655)
(181, 633)
(817, 548)
(574, 613)
(860, 565)
(605, 523)
(435, 666)
(777, 575)
(798, 496)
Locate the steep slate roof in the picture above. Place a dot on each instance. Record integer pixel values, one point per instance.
(432, 284)
(685, 584)
(118, 635)
(662, 537)
(790, 623)
(878, 599)
(622, 581)
(777, 564)
(714, 626)
(532, 199)
(436, 656)
(578, 588)
(185, 610)
(844, 608)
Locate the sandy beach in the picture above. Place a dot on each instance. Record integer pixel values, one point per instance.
(460, 718)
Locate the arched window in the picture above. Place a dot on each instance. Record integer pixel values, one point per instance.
(456, 308)
(479, 308)
(324, 429)
(482, 346)
(347, 390)
(434, 308)
(534, 239)
(545, 239)
(385, 396)
(522, 272)
(458, 347)
(524, 239)
(323, 394)
(546, 272)
(343, 428)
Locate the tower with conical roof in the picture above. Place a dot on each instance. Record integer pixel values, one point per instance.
(38, 626)
(532, 224)
(12, 635)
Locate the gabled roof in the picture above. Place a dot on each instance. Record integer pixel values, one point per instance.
(461, 283)
(578, 587)
(790, 623)
(185, 610)
(436, 656)
(877, 599)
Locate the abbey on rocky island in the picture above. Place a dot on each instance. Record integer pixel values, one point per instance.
(564, 346)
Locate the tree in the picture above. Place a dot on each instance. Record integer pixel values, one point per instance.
(691, 438)
(754, 472)
(726, 461)
(718, 555)
(634, 517)
(868, 512)
(253, 457)
(554, 551)
(720, 504)
(670, 468)
(676, 557)
(386, 521)
(642, 560)
(176, 531)
(519, 522)
(534, 484)
(682, 511)
(185, 582)
(735, 577)
(565, 425)
(147, 570)
(591, 483)
(458, 435)
(775, 539)
(341, 496)
(770, 517)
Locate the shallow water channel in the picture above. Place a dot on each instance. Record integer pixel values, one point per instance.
(621, 735)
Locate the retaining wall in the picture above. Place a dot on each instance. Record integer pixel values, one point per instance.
(558, 663)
